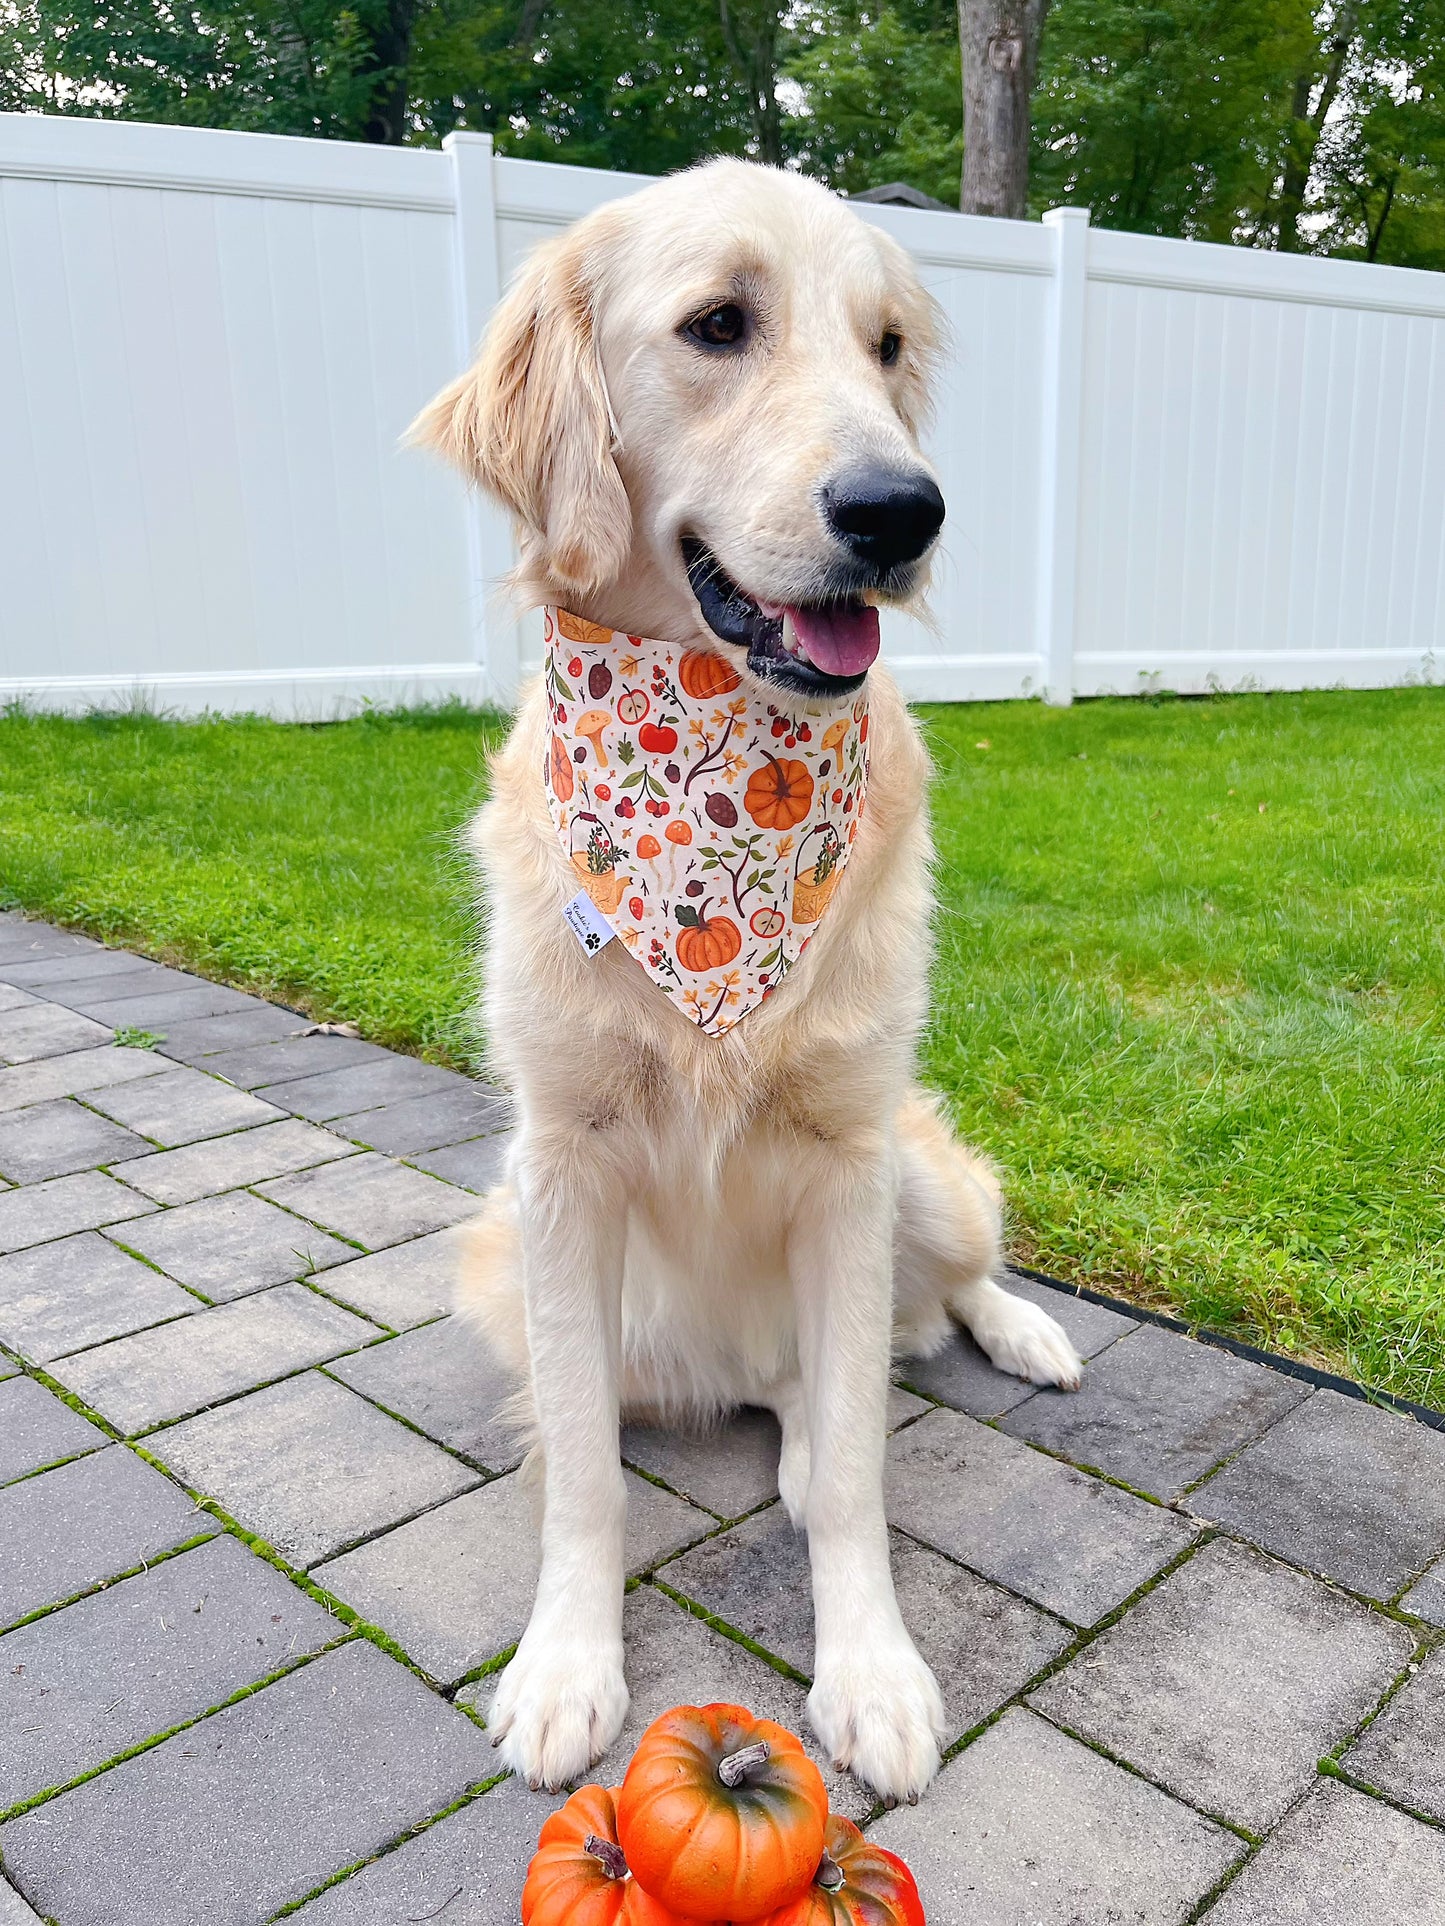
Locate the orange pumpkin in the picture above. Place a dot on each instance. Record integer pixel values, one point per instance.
(721, 1814)
(856, 1884)
(579, 1876)
(562, 783)
(704, 675)
(779, 795)
(706, 942)
(576, 628)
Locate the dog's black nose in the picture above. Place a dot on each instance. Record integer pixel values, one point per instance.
(886, 518)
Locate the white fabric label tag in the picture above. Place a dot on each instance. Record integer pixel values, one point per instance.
(587, 923)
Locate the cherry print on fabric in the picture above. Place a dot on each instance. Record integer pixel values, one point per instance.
(709, 826)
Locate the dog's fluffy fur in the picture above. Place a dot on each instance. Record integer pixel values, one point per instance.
(692, 1223)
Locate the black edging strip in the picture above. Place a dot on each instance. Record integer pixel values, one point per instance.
(1287, 1367)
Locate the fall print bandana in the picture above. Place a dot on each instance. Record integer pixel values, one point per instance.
(709, 826)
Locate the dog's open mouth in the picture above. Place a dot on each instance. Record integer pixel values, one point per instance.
(812, 647)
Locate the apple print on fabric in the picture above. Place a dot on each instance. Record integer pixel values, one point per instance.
(710, 826)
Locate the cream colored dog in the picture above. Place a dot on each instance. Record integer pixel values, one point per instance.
(701, 406)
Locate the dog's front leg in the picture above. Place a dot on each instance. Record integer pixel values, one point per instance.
(874, 1703)
(562, 1699)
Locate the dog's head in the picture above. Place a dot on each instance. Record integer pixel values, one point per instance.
(701, 404)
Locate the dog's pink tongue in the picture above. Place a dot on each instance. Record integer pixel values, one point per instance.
(842, 640)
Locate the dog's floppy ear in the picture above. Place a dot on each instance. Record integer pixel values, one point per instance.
(532, 423)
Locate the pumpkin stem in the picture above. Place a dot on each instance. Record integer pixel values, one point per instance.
(608, 1854)
(830, 1875)
(737, 1765)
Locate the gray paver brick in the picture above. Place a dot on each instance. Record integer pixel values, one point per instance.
(1403, 1752)
(68, 1529)
(290, 1057)
(29, 942)
(194, 1830)
(80, 1685)
(201, 1038)
(983, 1645)
(77, 1291)
(1350, 1491)
(444, 1381)
(75, 1073)
(225, 1163)
(45, 973)
(13, 1910)
(402, 1286)
(428, 1122)
(37, 1428)
(365, 1086)
(478, 1164)
(731, 1469)
(12, 998)
(229, 1245)
(1426, 1597)
(118, 986)
(1340, 1859)
(960, 1375)
(58, 1138)
(45, 1030)
(309, 1465)
(142, 1380)
(182, 1106)
(170, 1006)
(371, 1199)
(1158, 1410)
(1029, 1828)
(37, 1213)
(1230, 1681)
(1041, 1528)
(466, 1870)
(455, 1586)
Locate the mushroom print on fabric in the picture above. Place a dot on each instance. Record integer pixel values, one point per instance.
(710, 826)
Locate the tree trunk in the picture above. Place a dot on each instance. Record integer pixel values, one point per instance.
(1305, 135)
(1000, 44)
(756, 58)
(390, 56)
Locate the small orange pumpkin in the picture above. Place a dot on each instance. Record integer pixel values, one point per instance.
(562, 783)
(579, 1876)
(704, 674)
(577, 628)
(706, 942)
(856, 1884)
(721, 1814)
(779, 795)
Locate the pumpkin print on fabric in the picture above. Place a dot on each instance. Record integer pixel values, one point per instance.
(708, 822)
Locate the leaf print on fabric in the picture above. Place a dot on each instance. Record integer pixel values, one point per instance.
(710, 827)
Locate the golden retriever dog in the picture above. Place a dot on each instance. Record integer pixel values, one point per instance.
(701, 406)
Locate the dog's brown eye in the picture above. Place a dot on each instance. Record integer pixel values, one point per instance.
(721, 327)
(889, 348)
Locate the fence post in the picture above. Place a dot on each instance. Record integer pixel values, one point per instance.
(1063, 400)
(495, 633)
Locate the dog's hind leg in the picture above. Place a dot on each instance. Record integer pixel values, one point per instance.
(787, 1402)
(947, 1245)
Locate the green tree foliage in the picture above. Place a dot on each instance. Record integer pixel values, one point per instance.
(1310, 124)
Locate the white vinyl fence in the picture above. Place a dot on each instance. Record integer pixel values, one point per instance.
(1166, 465)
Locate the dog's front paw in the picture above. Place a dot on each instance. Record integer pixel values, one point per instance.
(1017, 1336)
(560, 1705)
(878, 1711)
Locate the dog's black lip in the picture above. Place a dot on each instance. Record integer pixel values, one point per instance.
(735, 618)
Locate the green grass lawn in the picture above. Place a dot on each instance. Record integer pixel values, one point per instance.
(1188, 992)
